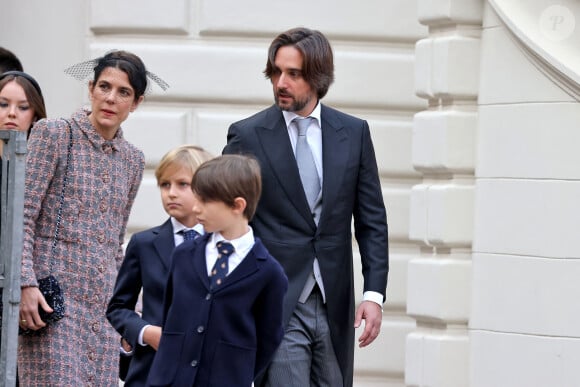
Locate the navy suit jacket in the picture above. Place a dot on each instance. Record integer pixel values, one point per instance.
(350, 189)
(222, 337)
(146, 263)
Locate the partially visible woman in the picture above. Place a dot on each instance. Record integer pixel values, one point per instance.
(21, 101)
(105, 173)
(21, 105)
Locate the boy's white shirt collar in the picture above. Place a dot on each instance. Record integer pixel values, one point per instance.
(242, 245)
(177, 227)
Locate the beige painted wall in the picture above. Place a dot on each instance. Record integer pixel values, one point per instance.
(212, 53)
(476, 141)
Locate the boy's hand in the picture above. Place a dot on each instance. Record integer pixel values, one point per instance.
(126, 346)
(151, 336)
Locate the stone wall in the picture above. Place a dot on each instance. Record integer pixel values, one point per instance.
(212, 53)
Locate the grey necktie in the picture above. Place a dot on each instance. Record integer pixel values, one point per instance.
(305, 161)
(311, 184)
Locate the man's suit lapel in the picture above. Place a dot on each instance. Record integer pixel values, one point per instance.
(277, 148)
(335, 154)
(335, 150)
(164, 243)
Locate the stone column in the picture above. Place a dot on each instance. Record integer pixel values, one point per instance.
(441, 208)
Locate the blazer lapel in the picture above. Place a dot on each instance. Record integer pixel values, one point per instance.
(278, 149)
(246, 268)
(164, 243)
(335, 154)
(198, 259)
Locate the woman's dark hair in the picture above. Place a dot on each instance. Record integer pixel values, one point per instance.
(9, 61)
(130, 64)
(318, 66)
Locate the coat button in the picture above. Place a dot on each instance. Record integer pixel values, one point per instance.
(208, 296)
(200, 329)
(194, 363)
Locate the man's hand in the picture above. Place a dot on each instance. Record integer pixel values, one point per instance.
(370, 312)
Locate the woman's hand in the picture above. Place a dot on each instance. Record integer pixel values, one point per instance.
(30, 299)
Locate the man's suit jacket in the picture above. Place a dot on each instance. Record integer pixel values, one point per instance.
(146, 263)
(220, 337)
(351, 188)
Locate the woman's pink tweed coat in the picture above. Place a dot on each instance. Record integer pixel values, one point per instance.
(82, 349)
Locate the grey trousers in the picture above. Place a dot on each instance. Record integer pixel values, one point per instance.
(306, 356)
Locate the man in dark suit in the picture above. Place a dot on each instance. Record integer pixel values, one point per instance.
(309, 198)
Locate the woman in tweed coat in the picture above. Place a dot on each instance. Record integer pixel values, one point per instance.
(104, 176)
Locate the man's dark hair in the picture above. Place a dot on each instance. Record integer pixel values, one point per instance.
(9, 61)
(318, 66)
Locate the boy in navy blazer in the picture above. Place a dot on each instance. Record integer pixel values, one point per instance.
(147, 260)
(222, 318)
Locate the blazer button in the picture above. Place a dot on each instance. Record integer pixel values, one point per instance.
(208, 296)
(194, 363)
(200, 329)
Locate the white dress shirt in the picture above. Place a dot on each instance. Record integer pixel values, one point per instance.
(242, 247)
(178, 238)
(314, 139)
(178, 227)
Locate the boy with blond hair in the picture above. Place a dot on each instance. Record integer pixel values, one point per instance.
(147, 260)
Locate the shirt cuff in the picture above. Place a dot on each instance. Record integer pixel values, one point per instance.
(140, 338)
(375, 297)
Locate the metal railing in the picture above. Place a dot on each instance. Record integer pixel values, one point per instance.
(11, 238)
